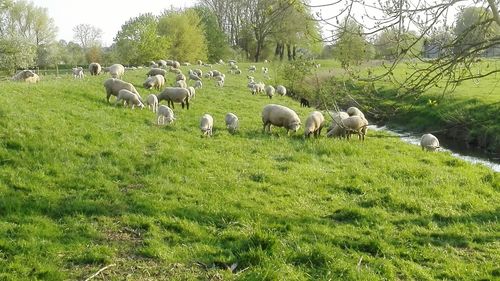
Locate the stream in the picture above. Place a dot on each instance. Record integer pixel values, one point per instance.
(470, 155)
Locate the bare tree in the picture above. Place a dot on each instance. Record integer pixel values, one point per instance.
(87, 35)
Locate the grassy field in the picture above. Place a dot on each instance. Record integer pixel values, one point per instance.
(84, 184)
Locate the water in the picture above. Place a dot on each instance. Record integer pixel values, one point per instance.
(471, 156)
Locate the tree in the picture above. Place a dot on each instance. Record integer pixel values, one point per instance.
(138, 41)
(184, 32)
(392, 44)
(87, 35)
(217, 46)
(474, 27)
(351, 46)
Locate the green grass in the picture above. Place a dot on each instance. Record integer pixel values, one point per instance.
(84, 184)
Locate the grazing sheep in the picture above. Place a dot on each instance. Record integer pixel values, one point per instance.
(156, 71)
(23, 75)
(208, 74)
(33, 79)
(231, 122)
(164, 113)
(265, 70)
(281, 90)
(181, 84)
(78, 72)
(219, 83)
(192, 93)
(199, 62)
(180, 77)
(154, 65)
(314, 124)
(304, 102)
(237, 71)
(355, 125)
(198, 84)
(155, 82)
(280, 116)
(175, 70)
(162, 63)
(269, 91)
(95, 69)
(193, 76)
(206, 125)
(257, 88)
(152, 102)
(116, 70)
(174, 94)
(429, 142)
(216, 73)
(252, 68)
(337, 117)
(354, 111)
(113, 86)
(198, 72)
(129, 97)
(336, 132)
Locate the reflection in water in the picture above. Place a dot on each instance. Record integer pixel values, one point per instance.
(415, 139)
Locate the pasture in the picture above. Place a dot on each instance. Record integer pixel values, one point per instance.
(85, 184)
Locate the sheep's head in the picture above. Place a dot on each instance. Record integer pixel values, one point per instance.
(294, 125)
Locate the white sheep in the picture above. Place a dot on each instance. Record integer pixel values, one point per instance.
(156, 71)
(216, 73)
(314, 124)
(181, 84)
(162, 63)
(113, 86)
(180, 77)
(192, 92)
(269, 91)
(208, 74)
(193, 76)
(252, 68)
(281, 90)
(429, 142)
(95, 69)
(78, 72)
(33, 79)
(336, 118)
(174, 94)
(280, 116)
(231, 122)
(354, 111)
(152, 102)
(155, 82)
(164, 113)
(116, 70)
(355, 125)
(129, 98)
(198, 84)
(199, 62)
(23, 75)
(206, 125)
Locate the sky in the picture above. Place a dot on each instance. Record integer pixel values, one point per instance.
(108, 15)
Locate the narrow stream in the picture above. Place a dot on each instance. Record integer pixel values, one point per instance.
(472, 156)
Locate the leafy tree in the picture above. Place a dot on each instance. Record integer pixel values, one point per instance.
(474, 26)
(138, 41)
(351, 47)
(392, 44)
(13, 57)
(217, 46)
(183, 29)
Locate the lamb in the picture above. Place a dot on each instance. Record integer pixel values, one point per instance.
(164, 113)
(78, 72)
(152, 102)
(206, 125)
(156, 71)
(116, 70)
(280, 116)
(281, 90)
(129, 97)
(33, 79)
(231, 122)
(174, 94)
(304, 102)
(192, 93)
(181, 84)
(23, 75)
(354, 111)
(95, 69)
(155, 82)
(198, 84)
(429, 142)
(258, 88)
(269, 91)
(113, 86)
(314, 124)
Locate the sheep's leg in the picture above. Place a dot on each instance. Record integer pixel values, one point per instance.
(187, 104)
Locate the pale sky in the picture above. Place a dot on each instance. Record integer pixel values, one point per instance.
(108, 15)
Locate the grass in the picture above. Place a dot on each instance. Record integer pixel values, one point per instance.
(84, 184)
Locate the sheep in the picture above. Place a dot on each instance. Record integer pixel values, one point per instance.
(354, 111)
(154, 65)
(181, 84)
(162, 63)
(336, 131)
(176, 64)
(281, 90)
(192, 93)
(23, 75)
(198, 84)
(257, 88)
(175, 70)
(221, 61)
(219, 83)
(429, 142)
(269, 91)
(152, 102)
(237, 71)
(155, 82)
(354, 125)
(116, 70)
(33, 79)
(280, 116)
(337, 118)
(193, 76)
(216, 73)
(265, 70)
(208, 74)
(164, 112)
(113, 86)
(207, 65)
(78, 72)
(304, 102)
(252, 68)
(198, 72)
(95, 69)
(231, 122)
(174, 94)
(180, 77)
(314, 124)
(129, 97)
(199, 62)
(156, 71)
(206, 125)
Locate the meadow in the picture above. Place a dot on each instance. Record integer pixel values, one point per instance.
(85, 184)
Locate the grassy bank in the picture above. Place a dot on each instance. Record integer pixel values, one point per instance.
(84, 184)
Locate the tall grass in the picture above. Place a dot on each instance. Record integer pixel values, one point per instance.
(84, 184)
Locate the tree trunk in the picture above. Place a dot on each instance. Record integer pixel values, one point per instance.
(294, 51)
(289, 51)
(277, 50)
(282, 51)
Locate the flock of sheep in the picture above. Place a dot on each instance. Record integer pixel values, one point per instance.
(344, 124)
